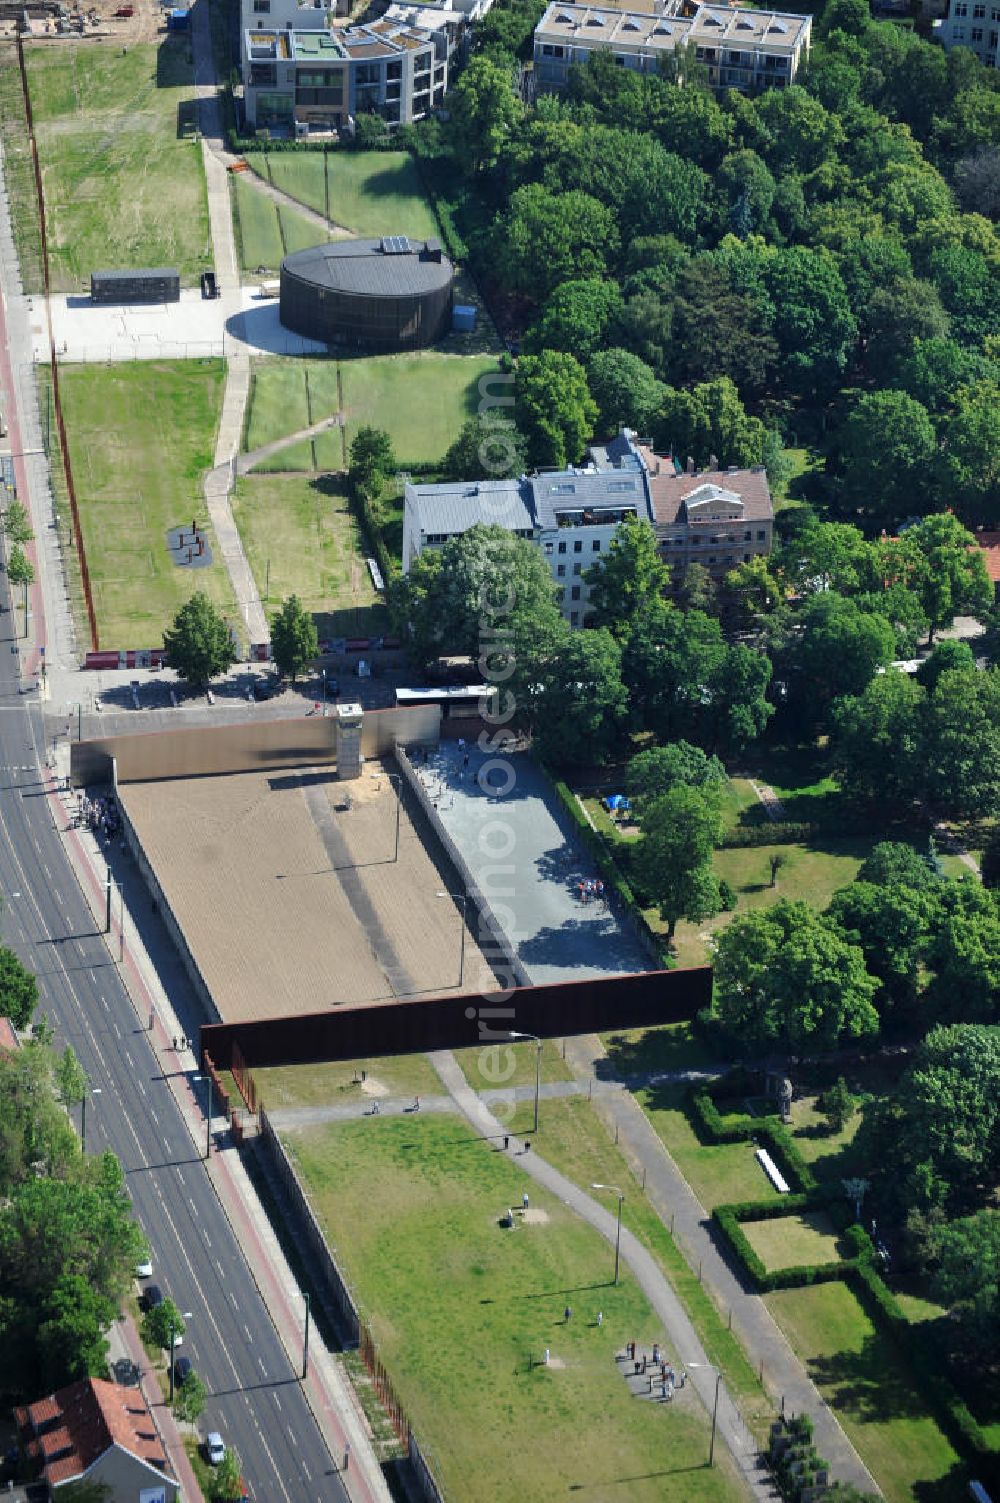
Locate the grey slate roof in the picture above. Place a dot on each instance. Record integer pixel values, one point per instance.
(456, 506)
(363, 268)
(586, 490)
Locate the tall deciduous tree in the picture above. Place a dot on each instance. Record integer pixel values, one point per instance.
(294, 639)
(18, 989)
(627, 392)
(489, 447)
(630, 576)
(553, 408)
(199, 645)
(888, 452)
(486, 111)
(785, 977)
(710, 420)
(679, 764)
(935, 1142)
(674, 858)
(548, 238)
(575, 318)
(469, 596)
(578, 701)
(876, 742)
(839, 650)
(949, 573)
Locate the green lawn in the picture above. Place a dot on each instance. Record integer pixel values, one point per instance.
(339, 1081)
(789, 1241)
(123, 180)
(370, 192)
(305, 531)
(422, 400)
(872, 1390)
(574, 1139)
(266, 232)
(717, 1172)
(491, 1067)
(19, 175)
(462, 1310)
(287, 395)
(641, 1051)
(141, 435)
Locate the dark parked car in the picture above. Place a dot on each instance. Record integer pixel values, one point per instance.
(153, 1296)
(182, 1369)
(263, 688)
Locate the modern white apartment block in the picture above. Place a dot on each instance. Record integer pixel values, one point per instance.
(974, 24)
(715, 518)
(741, 48)
(311, 77)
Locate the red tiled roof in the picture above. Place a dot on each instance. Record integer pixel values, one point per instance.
(74, 1427)
(668, 490)
(989, 542)
(8, 1038)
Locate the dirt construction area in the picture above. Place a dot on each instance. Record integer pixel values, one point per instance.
(287, 890)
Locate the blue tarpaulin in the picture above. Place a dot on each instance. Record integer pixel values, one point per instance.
(617, 803)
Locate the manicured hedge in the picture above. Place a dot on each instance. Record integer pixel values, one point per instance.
(780, 832)
(373, 536)
(954, 1416)
(770, 1132)
(858, 1269)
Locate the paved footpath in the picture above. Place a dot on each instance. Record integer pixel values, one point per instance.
(676, 1203)
(219, 481)
(687, 1349)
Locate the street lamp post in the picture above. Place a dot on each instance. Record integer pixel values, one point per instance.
(715, 1407)
(458, 897)
(394, 777)
(614, 1190)
(305, 1339)
(83, 1116)
(538, 1064)
(208, 1119)
(173, 1328)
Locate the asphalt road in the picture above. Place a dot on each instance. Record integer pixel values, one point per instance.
(254, 1396)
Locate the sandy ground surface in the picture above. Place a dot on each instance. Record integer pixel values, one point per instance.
(291, 902)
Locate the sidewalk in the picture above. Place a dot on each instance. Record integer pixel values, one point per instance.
(676, 1203)
(330, 1396)
(220, 480)
(686, 1350)
(124, 1342)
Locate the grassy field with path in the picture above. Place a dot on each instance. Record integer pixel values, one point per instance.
(370, 192)
(141, 436)
(266, 231)
(304, 529)
(463, 1311)
(338, 1082)
(121, 171)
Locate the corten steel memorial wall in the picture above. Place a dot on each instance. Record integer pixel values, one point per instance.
(556, 1010)
(255, 746)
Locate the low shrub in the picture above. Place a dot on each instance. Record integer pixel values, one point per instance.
(780, 832)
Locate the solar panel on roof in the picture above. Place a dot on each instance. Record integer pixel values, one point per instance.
(395, 245)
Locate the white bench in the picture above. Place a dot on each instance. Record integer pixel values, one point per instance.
(772, 1171)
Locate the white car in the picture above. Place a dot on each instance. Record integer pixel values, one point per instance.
(214, 1448)
(178, 1339)
(144, 1270)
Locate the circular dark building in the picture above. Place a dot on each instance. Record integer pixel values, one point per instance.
(388, 294)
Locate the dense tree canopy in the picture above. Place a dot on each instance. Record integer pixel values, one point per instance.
(786, 978)
(199, 644)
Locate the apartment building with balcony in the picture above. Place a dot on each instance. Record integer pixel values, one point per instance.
(310, 77)
(718, 518)
(974, 24)
(741, 48)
